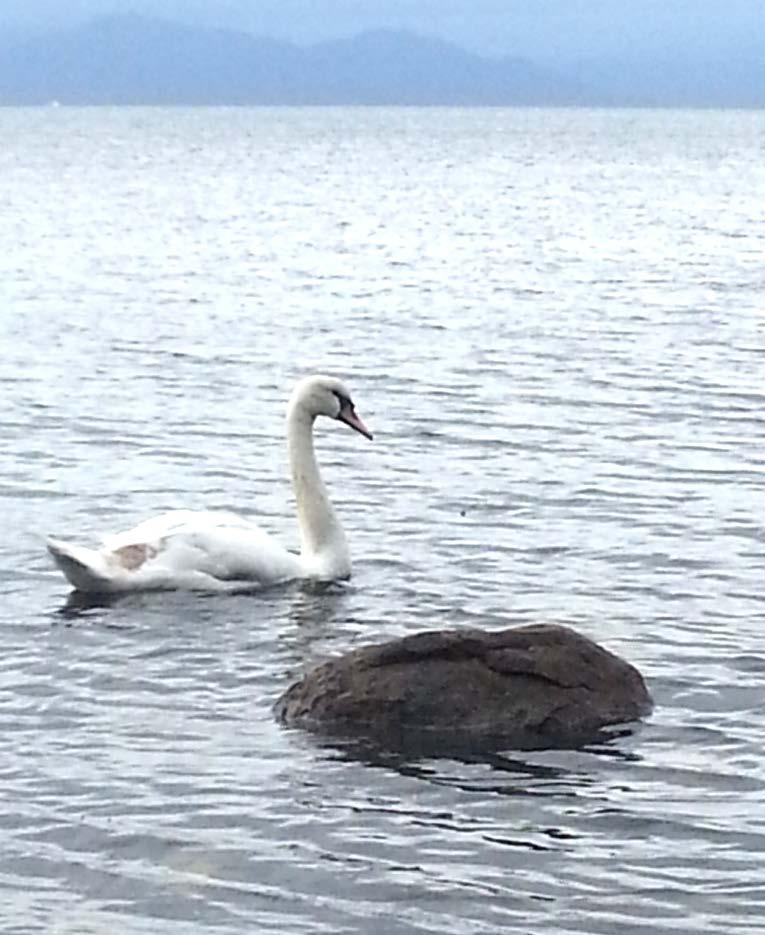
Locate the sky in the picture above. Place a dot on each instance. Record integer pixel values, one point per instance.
(548, 31)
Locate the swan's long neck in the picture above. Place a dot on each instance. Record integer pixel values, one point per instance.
(323, 548)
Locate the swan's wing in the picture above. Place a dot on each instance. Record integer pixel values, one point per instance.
(198, 549)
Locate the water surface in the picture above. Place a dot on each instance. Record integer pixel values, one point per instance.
(552, 320)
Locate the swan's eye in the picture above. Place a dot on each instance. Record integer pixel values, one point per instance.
(345, 401)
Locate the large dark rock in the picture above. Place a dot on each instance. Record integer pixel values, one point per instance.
(526, 687)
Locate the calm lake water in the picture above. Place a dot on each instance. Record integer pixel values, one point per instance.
(553, 322)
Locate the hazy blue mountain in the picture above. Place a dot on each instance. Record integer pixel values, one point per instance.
(131, 59)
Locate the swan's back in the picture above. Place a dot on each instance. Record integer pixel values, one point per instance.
(183, 548)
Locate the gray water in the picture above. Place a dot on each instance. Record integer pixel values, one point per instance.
(553, 322)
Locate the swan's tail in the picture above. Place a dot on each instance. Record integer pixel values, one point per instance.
(85, 569)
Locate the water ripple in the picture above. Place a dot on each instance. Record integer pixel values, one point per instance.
(558, 344)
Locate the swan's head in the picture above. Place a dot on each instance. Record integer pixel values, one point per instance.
(327, 396)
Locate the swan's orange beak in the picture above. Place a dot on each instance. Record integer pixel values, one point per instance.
(348, 415)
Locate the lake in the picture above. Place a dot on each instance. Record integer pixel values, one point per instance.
(553, 322)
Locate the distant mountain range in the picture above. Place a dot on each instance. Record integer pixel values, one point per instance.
(136, 60)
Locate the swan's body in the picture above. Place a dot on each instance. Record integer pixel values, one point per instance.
(531, 686)
(221, 551)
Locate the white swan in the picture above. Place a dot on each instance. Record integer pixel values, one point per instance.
(222, 551)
